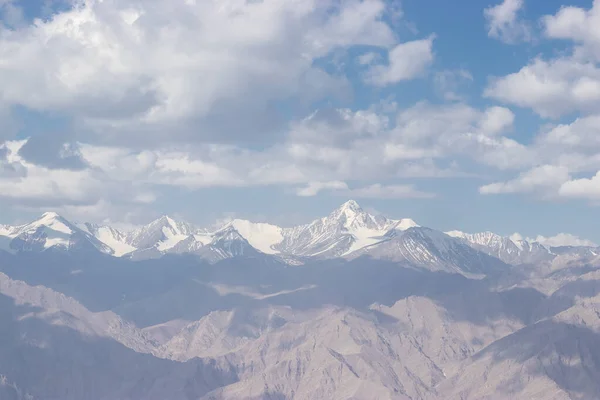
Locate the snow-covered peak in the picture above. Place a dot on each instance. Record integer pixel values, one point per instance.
(51, 230)
(508, 249)
(111, 237)
(7, 230)
(227, 233)
(261, 236)
(178, 227)
(406, 223)
(226, 243)
(50, 220)
(351, 217)
(457, 234)
(350, 208)
(162, 233)
(432, 250)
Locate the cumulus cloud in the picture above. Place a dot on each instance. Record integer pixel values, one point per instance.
(544, 180)
(505, 24)
(563, 239)
(313, 188)
(368, 58)
(584, 188)
(550, 88)
(231, 94)
(126, 68)
(558, 240)
(52, 151)
(35, 185)
(448, 83)
(554, 87)
(497, 120)
(577, 24)
(376, 191)
(459, 130)
(583, 132)
(405, 61)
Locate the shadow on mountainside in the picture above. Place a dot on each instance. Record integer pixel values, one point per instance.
(182, 287)
(569, 355)
(46, 359)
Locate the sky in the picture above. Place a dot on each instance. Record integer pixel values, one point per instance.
(472, 115)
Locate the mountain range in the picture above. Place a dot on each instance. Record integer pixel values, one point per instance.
(349, 306)
(347, 232)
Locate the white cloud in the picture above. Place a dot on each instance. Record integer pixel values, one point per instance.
(79, 191)
(374, 191)
(579, 25)
(563, 239)
(558, 240)
(516, 237)
(368, 58)
(584, 188)
(550, 88)
(568, 84)
(405, 61)
(313, 188)
(459, 130)
(320, 152)
(448, 83)
(12, 15)
(378, 191)
(497, 120)
(199, 70)
(582, 134)
(504, 22)
(37, 183)
(544, 180)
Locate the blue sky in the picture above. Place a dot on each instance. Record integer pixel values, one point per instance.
(472, 115)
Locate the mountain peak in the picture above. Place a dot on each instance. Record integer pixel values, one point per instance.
(350, 205)
(52, 221)
(50, 215)
(228, 232)
(164, 220)
(347, 211)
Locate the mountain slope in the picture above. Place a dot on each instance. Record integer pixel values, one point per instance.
(227, 243)
(162, 234)
(508, 250)
(261, 236)
(432, 250)
(345, 230)
(48, 351)
(50, 231)
(111, 237)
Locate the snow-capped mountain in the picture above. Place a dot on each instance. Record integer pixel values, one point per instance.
(50, 231)
(346, 229)
(162, 234)
(432, 250)
(506, 249)
(111, 237)
(261, 236)
(407, 316)
(226, 243)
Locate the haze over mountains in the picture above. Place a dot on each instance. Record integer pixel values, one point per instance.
(347, 232)
(349, 306)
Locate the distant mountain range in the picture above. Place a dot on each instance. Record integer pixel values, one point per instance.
(349, 306)
(348, 232)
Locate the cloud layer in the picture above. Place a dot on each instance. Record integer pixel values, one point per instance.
(280, 93)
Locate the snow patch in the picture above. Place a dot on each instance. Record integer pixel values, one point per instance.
(105, 235)
(261, 236)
